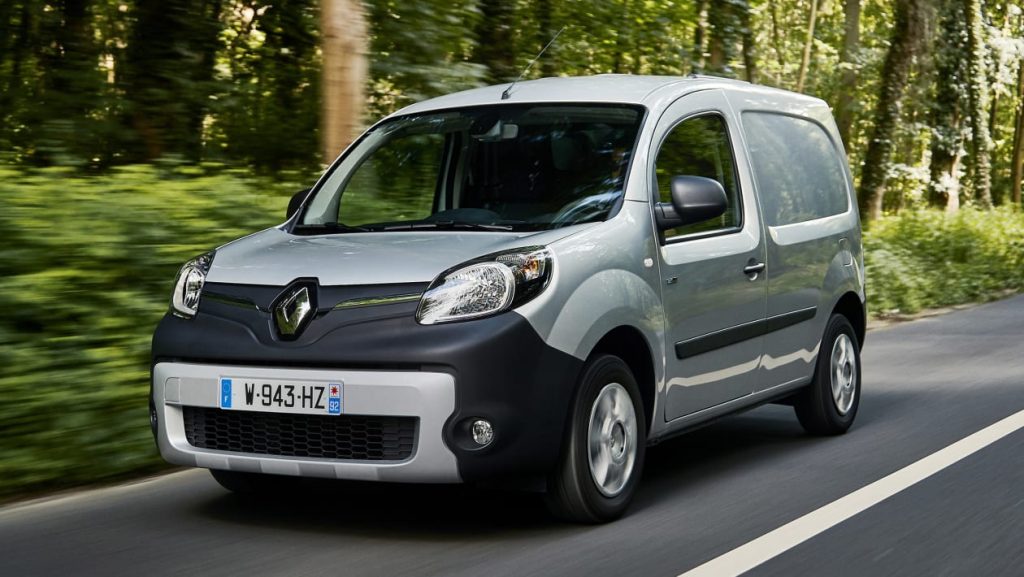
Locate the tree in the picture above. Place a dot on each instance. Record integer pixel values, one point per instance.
(1017, 156)
(545, 32)
(776, 36)
(167, 77)
(343, 30)
(848, 63)
(805, 61)
(699, 36)
(495, 46)
(979, 162)
(71, 84)
(947, 103)
(904, 40)
(749, 44)
(433, 56)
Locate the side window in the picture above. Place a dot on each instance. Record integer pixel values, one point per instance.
(799, 173)
(403, 172)
(700, 147)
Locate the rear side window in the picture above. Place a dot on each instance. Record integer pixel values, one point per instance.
(799, 173)
(700, 147)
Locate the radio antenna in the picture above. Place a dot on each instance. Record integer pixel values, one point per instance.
(508, 91)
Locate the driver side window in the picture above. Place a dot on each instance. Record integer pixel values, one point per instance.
(404, 172)
(700, 147)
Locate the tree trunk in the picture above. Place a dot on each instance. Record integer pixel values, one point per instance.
(723, 24)
(946, 117)
(699, 34)
(72, 85)
(906, 35)
(13, 89)
(495, 48)
(980, 166)
(344, 37)
(845, 107)
(1017, 158)
(749, 61)
(545, 33)
(943, 180)
(168, 72)
(805, 62)
(622, 34)
(777, 41)
(206, 29)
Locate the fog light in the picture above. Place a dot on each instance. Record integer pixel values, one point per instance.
(483, 433)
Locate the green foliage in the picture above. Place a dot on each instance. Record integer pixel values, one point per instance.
(409, 65)
(266, 111)
(85, 275)
(923, 259)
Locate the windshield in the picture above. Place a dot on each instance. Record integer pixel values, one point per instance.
(502, 167)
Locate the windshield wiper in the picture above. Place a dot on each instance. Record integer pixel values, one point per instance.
(447, 225)
(330, 227)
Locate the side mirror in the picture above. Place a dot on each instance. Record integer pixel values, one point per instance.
(694, 199)
(296, 202)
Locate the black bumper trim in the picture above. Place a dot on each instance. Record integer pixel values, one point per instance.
(504, 371)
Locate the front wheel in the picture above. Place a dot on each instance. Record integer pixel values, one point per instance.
(603, 453)
(829, 405)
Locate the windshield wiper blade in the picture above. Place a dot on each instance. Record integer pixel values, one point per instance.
(448, 225)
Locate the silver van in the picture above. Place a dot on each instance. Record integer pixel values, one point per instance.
(528, 285)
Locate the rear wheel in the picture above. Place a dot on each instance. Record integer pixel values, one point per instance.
(603, 453)
(252, 483)
(829, 405)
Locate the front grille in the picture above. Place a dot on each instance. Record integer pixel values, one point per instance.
(356, 437)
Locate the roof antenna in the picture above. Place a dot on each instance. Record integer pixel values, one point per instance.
(508, 91)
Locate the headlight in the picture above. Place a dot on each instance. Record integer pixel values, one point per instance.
(189, 284)
(486, 286)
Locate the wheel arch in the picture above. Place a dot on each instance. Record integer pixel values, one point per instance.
(629, 344)
(850, 306)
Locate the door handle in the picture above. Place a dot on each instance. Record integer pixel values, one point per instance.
(753, 269)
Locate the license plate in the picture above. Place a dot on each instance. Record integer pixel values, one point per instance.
(279, 396)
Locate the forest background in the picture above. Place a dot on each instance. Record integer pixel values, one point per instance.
(135, 134)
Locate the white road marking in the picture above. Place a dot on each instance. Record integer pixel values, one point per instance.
(778, 541)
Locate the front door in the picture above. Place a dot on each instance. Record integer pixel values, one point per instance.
(713, 282)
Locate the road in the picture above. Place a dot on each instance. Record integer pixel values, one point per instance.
(927, 384)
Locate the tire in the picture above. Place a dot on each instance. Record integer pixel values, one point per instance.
(253, 484)
(820, 411)
(574, 492)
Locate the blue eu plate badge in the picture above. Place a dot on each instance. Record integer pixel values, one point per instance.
(225, 393)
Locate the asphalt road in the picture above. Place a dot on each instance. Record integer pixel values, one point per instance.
(926, 385)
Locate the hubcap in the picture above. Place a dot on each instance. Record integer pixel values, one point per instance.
(844, 373)
(612, 439)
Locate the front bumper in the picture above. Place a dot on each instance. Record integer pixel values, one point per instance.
(428, 396)
(498, 368)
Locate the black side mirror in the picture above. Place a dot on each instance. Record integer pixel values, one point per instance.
(296, 202)
(694, 199)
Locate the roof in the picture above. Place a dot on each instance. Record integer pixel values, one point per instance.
(605, 88)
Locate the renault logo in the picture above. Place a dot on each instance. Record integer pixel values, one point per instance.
(293, 311)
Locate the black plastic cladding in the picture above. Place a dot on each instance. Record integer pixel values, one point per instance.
(504, 371)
